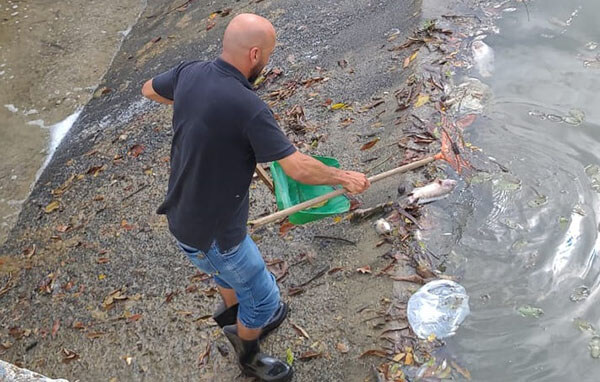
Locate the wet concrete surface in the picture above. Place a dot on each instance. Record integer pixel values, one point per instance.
(61, 266)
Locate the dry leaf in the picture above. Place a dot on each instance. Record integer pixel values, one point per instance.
(55, 328)
(310, 355)
(94, 335)
(334, 270)
(210, 24)
(68, 355)
(126, 226)
(422, 99)
(466, 121)
(463, 371)
(53, 206)
(374, 352)
(342, 348)
(204, 356)
(78, 325)
(346, 122)
(135, 317)
(29, 251)
(409, 59)
(95, 170)
(136, 150)
(62, 228)
(370, 144)
(338, 106)
(285, 227)
(103, 260)
(409, 360)
(364, 270)
(399, 357)
(301, 331)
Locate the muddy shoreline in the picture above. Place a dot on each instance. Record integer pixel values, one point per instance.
(88, 232)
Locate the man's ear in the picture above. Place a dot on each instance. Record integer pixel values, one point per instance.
(254, 55)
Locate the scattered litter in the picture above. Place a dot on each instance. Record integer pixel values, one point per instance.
(530, 311)
(469, 97)
(583, 325)
(12, 108)
(483, 56)
(383, 227)
(593, 173)
(438, 308)
(580, 293)
(594, 347)
(575, 117)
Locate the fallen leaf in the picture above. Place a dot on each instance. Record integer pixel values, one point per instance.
(156, 39)
(399, 357)
(78, 325)
(94, 335)
(103, 260)
(301, 331)
(462, 371)
(289, 356)
(95, 170)
(409, 360)
(530, 311)
(16, 332)
(293, 291)
(364, 270)
(101, 276)
(328, 102)
(53, 206)
(136, 150)
(191, 289)
(210, 24)
(422, 99)
(285, 227)
(135, 317)
(307, 356)
(225, 12)
(337, 219)
(338, 106)
(466, 121)
(68, 355)
(126, 226)
(346, 121)
(170, 296)
(370, 144)
(62, 228)
(342, 348)
(55, 328)
(29, 251)
(204, 356)
(128, 359)
(343, 64)
(375, 353)
(334, 270)
(409, 59)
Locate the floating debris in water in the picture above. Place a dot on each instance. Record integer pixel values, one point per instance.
(594, 347)
(583, 325)
(469, 97)
(593, 173)
(538, 202)
(530, 311)
(435, 190)
(592, 45)
(483, 56)
(580, 293)
(578, 209)
(575, 117)
(563, 222)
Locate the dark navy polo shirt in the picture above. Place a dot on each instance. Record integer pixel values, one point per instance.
(221, 130)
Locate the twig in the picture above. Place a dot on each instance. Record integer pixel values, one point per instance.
(380, 163)
(325, 237)
(409, 217)
(319, 274)
(135, 192)
(527, 9)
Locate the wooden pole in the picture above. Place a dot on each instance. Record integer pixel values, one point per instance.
(262, 174)
(320, 199)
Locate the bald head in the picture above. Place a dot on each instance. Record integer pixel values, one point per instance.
(248, 43)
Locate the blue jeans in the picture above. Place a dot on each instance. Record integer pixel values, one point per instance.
(242, 269)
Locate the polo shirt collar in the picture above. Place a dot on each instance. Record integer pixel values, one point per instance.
(230, 69)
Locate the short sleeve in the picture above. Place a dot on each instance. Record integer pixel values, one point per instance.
(268, 142)
(164, 84)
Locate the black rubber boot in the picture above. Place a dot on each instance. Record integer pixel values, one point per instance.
(255, 364)
(228, 316)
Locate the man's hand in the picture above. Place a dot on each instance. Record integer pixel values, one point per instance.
(308, 170)
(355, 182)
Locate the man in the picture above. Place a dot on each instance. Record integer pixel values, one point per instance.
(221, 130)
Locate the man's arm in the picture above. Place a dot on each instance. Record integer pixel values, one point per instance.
(305, 169)
(148, 92)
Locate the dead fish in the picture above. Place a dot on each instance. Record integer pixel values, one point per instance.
(383, 227)
(435, 190)
(484, 58)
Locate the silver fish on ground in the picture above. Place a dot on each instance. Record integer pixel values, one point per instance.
(484, 58)
(433, 191)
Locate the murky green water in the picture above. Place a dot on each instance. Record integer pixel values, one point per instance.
(530, 237)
